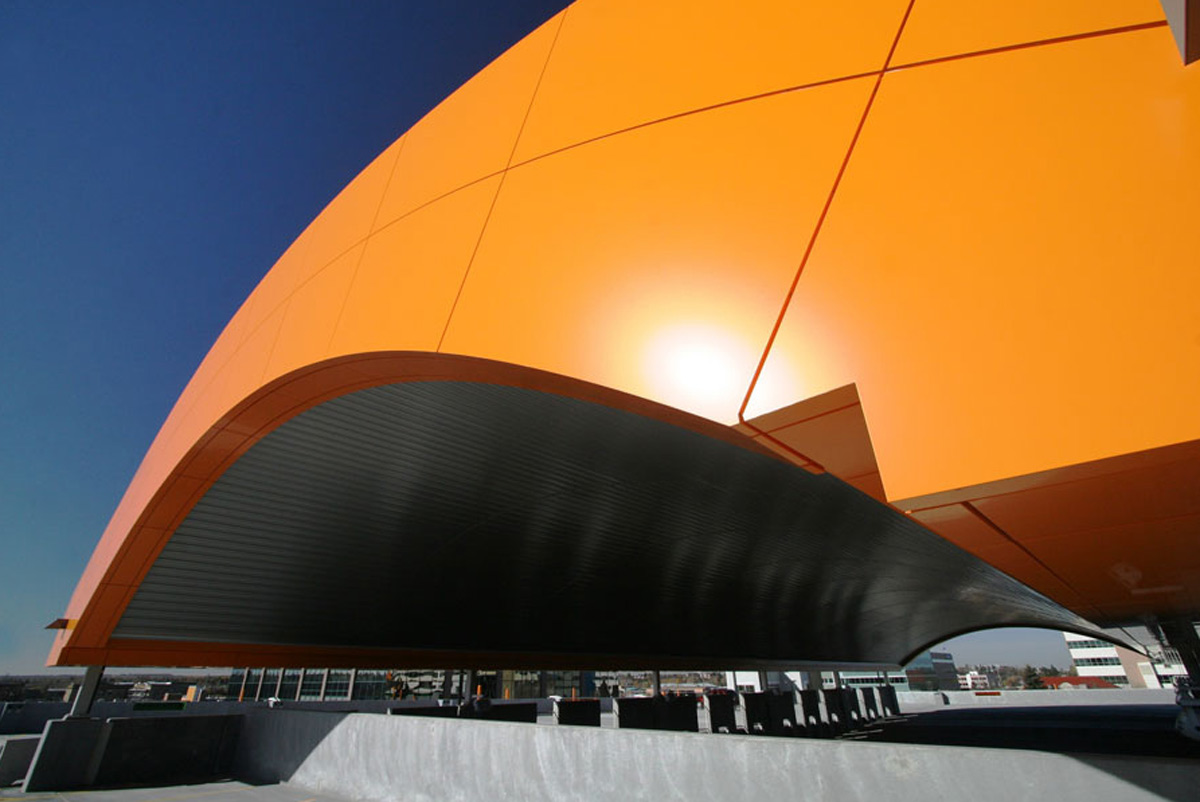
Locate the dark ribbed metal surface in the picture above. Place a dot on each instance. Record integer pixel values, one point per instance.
(493, 519)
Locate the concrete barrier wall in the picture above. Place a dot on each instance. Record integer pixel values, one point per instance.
(16, 753)
(167, 750)
(914, 700)
(377, 758)
(76, 753)
(30, 718)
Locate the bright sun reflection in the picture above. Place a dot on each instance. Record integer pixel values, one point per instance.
(700, 368)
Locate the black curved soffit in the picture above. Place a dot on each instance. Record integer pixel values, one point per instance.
(498, 522)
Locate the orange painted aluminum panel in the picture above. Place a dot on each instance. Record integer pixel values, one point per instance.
(1007, 269)
(344, 223)
(956, 523)
(310, 315)
(621, 63)
(1016, 562)
(411, 273)
(1117, 530)
(1145, 563)
(470, 134)
(941, 28)
(654, 262)
(825, 432)
(1165, 492)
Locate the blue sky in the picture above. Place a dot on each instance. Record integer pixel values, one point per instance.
(155, 160)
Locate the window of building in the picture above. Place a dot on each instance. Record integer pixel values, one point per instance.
(371, 684)
(338, 685)
(253, 676)
(310, 685)
(1097, 661)
(290, 684)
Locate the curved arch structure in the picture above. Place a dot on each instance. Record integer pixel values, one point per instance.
(941, 252)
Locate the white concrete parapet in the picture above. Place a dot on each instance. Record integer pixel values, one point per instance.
(372, 757)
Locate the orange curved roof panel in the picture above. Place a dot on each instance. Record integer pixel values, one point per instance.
(978, 218)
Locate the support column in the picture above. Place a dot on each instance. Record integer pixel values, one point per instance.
(1181, 635)
(324, 682)
(814, 680)
(764, 681)
(242, 689)
(353, 679)
(656, 683)
(82, 705)
(543, 685)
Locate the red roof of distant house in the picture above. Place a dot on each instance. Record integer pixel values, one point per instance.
(1067, 683)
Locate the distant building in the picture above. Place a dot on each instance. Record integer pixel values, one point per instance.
(333, 684)
(976, 680)
(897, 679)
(932, 671)
(1121, 667)
(1076, 683)
(795, 680)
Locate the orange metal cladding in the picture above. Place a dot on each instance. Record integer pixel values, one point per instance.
(1001, 267)
(1007, 271)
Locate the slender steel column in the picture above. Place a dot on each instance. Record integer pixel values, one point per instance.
(82, 704)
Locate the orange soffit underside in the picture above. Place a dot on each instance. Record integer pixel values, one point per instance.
(930, 247)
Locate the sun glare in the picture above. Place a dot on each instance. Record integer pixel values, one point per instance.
(699, 368)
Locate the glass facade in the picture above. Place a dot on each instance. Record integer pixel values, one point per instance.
(253, 678)
(236, 678)
(338, 684)
(270, 683)
(1097, 661)
(1089, 643)
(932, 671)
(316, 684)
(310, 686)
(290, 684)
(371, 684)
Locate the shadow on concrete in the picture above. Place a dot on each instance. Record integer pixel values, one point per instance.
(297, 743)
(1115, 739)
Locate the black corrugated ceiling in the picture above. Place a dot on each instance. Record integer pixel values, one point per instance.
(497, 521)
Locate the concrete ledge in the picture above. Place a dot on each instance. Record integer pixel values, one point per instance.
(15, 756)
(80, 752)
(66, 756)
(167, 750)
(375, 758)
(1109, 696)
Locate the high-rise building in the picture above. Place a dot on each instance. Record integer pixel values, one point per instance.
(932, 671)
(1122, 667)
